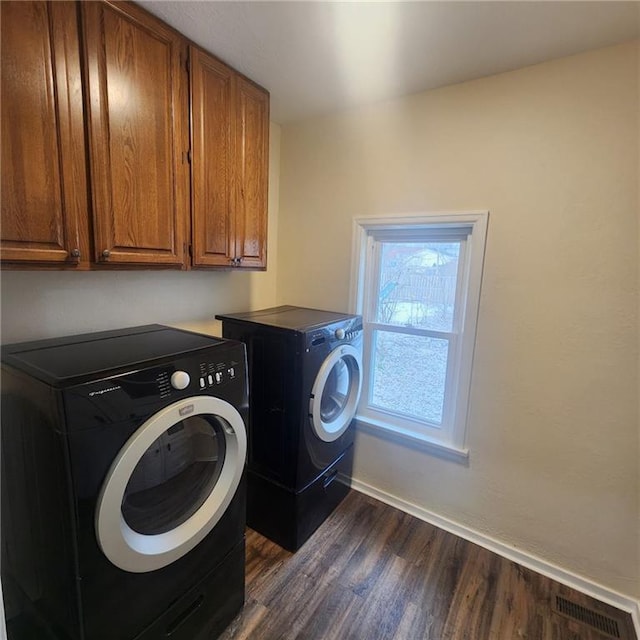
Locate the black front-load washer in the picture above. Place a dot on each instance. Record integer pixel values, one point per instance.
(305, 380)
(123, 497)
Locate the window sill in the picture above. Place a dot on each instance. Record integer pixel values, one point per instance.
(411, 439)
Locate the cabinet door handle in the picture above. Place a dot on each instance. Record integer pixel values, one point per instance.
(106, 253)
(75, 254)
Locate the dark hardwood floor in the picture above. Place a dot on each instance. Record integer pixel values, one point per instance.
(372, 572)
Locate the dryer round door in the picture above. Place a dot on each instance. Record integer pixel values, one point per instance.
(171, 483)
(335, 393)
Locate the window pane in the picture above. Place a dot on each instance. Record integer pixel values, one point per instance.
(408, 375)
(418, 284)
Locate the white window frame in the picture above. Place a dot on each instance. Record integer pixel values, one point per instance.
(449, 439)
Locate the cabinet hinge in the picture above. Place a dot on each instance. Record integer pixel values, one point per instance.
(186, 157)
(190, 249)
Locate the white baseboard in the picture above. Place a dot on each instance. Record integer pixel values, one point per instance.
(584, 585)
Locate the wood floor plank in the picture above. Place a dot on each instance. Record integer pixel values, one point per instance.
(371, 572)
(435, 585)
(386, 602)
(365, 565)
(244, 624)
(335, 607)
(331, 547)
(521, 613)
(407, 622)
(476, 588)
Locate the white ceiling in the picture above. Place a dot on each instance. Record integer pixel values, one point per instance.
(316, 57)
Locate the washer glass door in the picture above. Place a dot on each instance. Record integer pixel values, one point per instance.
(175, 475)
(336, 392)
(171, 483)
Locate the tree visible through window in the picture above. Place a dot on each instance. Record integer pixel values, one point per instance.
(418, 290)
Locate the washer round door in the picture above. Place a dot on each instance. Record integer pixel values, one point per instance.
(171, 483)
(335, 393)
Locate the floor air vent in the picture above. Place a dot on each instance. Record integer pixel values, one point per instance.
(601, 623)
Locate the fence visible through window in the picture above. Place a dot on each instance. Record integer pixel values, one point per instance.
(418, 284)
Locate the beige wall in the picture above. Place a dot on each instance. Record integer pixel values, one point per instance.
(552, 152)
(46, 304)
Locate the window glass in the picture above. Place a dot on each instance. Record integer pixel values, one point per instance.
(175, 476)
(408, 375)
(417, 285)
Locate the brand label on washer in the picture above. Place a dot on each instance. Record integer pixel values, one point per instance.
(185, 411)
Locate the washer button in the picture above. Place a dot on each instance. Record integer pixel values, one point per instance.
(180, 379)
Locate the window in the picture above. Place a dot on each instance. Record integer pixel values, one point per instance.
(417, 286)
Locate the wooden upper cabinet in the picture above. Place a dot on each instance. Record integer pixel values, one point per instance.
(229, 167)
(121, 145)
(44, 185)
(252, 174)
(138, 135)
(212, 89)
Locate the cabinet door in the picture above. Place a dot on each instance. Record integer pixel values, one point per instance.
(212, 161)
(138, 135)
(44, 189)
(252, 175)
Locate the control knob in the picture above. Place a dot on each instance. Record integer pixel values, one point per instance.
(339, 334)
(180, 379)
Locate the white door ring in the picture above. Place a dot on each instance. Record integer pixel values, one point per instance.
(330, 430)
